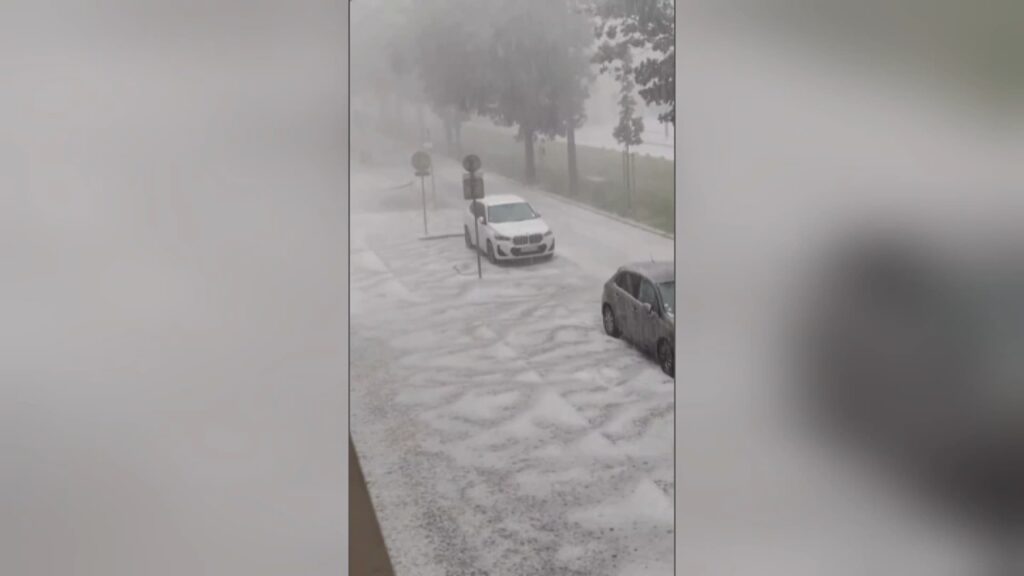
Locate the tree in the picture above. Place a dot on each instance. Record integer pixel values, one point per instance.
(630, 127)
(382, 56)
(646, 27)
(451, 61)
(540, 68)
(574, 101)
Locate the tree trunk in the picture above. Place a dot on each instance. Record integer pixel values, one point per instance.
(531, 167)
(458, 137)
(622, 164)
(448, 134)
(632, 178)
(625, 175)
(574, 175)
(422, 124)
(397, 113)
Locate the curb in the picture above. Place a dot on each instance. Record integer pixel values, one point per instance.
(600, 212)
(441, 236)
(399, 187)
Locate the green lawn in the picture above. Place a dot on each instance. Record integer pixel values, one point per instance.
(601, 184)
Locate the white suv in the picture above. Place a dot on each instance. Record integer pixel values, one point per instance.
(509, 229)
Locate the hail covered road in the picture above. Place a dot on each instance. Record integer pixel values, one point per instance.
(500, 430)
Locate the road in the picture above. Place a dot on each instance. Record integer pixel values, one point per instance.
(499, 429)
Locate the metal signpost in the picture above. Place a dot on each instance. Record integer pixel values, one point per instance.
(473, 189)
(421, 162)
(429, 147)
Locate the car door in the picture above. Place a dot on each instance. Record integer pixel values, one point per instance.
(467, 219)
(626, 309)
(486, 232)
(476, 210)
(617, 299)
(648, 323)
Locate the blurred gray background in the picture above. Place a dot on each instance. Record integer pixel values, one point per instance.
(173, 287)
(803, 126)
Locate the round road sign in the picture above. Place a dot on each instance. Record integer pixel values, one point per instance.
(421, 161)
(471, 163)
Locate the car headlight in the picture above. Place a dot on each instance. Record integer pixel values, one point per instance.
(548, 233)
(500, 237)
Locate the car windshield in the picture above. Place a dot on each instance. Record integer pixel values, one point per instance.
(510, 213)
(668, 297)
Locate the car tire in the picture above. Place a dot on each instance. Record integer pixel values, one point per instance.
(666, 358)
(490, 253)
(469, 239)
(611, 327)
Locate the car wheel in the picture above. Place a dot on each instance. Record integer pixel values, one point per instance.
(490, 253)
(469, 239)
(666, 357)
(608, 319)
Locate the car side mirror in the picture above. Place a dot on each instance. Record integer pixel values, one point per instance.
(481, 220)
(648, 308)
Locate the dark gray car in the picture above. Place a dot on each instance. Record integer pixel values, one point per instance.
(638, 305)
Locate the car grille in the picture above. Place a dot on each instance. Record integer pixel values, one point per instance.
(520, 252)
(524, 240)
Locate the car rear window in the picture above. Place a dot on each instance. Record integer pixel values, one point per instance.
(629, 282)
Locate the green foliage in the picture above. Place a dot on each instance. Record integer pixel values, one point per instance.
(540, 64)
(649, 25)
(382, 52)
(630, 126)
(522, 63)
(451, 54)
